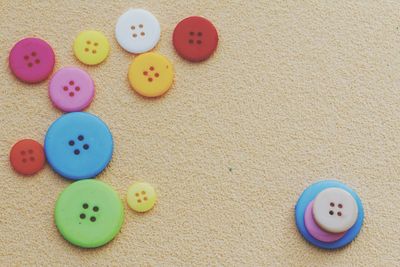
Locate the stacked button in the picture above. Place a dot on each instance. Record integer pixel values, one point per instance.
(329, 214)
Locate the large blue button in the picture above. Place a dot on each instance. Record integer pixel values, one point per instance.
(78, 145)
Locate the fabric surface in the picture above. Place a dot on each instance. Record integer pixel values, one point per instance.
(298, 91)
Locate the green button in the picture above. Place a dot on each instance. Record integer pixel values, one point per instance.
(89, 213)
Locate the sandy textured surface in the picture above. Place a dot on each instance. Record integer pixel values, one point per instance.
(298, 91)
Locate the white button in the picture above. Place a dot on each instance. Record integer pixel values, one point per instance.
(137, 31)
(335, 210)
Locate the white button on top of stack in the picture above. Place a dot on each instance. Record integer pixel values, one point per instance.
(137, 31)
(335, 210)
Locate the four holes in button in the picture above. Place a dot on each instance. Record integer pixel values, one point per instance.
(83, 215)
(73, 88)
(27, 155)
(192, 37)
(72, 143)
(149, 74)
(133, 28)
(89, 44)
(340, 206)
(36, 60)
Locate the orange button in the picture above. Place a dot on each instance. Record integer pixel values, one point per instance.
(27, 157)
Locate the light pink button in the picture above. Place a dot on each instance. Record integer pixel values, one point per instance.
(71, 89)
(31, 60)
(315, 230)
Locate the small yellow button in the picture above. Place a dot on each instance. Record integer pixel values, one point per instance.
(141, 197)
(91, 47)
(151, 74)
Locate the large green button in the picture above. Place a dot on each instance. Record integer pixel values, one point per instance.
(89, 213)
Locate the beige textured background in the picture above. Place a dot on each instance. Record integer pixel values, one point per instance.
(298, 91)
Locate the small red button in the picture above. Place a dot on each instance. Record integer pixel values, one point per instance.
(195, 38)
(27, 157)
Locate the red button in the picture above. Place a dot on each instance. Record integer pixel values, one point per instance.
(27, 157)
(195, 38)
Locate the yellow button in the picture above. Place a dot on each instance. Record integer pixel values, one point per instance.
(141, 197)
(91, 47)
(151, 74)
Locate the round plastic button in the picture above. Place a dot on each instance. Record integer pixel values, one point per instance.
(89, 213)
(91, 47)
(78, 145)
(141, 197)
(137, 31)
(151, 74)
(308, 196)
(71, 89)
(315, 230)
(32, 60)
(27, 157)
(195, 38)
(335, 210)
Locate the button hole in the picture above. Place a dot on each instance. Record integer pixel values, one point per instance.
(332, 204)
(86, 49)
(82, 216)
(26, 57)
(32, 158)
(77, 88)
(132, 27)
(88, 42)
(23, 152)
(96, 44)
(191, 33)
(65, 88)
(150, 79)
(94, 51)
(24, 160)
(71, 82)
(37, 61)
(199, 34)
(80, 137)
(137, 194)
(85, 205)
(95, 209)
(139, 200)
(340, 206)
(143, 193)
(331, 212)
(142, 33)
(156, 75)
(92, 219)
(191, 41)
(198, 42)
(76, 152)
(86, 146)
(30, 151)
(71, 94)
(33, 54)
(134, 35)
(140, 25)
(339, 213)
(71, 143)
(30, 65)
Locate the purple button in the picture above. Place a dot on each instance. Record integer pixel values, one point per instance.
(31, 60)
(71, 89)
(315, 230)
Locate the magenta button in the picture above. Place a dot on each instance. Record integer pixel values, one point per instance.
(315, 230)
(31, 60)
(71, 89)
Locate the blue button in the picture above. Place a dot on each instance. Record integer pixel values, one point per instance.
(78, 145)
(309, 195)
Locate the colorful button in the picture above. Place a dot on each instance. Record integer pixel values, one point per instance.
(91, 47)
(137, 31)
(335, 210)
(141, 197)
(27, 157)
(89, 213)
(151, 74)
(71, 89)
(78, 145)
(315, 230)
(195, 38)
(32, 60)
(308, 196)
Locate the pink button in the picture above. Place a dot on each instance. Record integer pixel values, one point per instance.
(315, 230)
(32, 60)
(71, 89)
